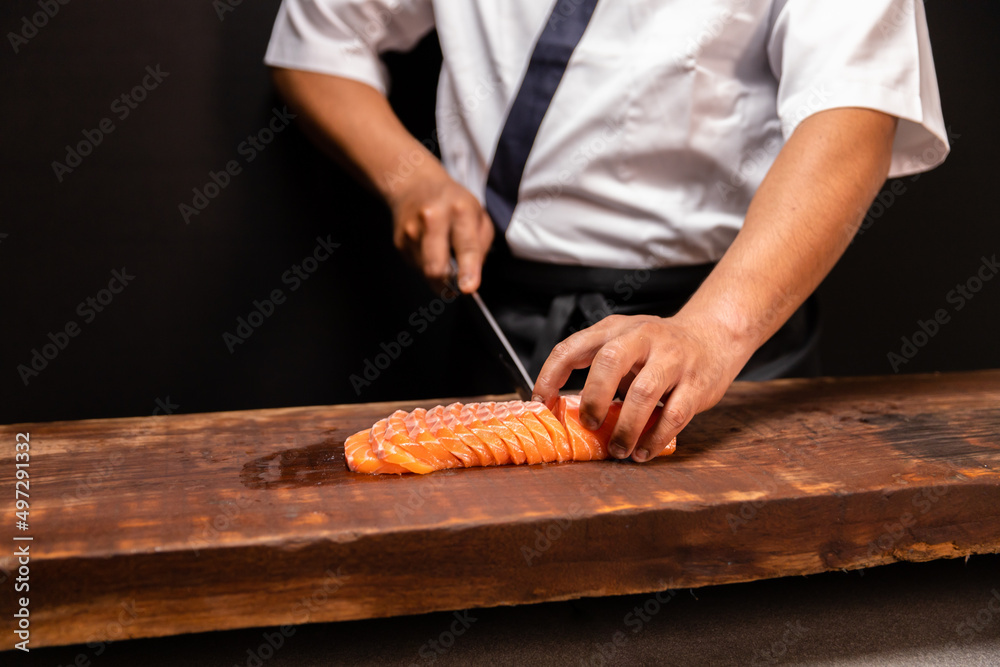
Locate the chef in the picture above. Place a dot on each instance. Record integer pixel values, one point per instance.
(651, 189)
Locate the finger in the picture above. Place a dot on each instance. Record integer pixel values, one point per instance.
(576, 351)
(677, 412)
(434, 250)
(466, 240)
(649, 386)
(486, 234)
(403, 235)
(611, 363)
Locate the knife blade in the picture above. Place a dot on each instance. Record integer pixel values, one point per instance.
(497, 342)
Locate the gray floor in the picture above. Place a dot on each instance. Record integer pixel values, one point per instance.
(905, 615)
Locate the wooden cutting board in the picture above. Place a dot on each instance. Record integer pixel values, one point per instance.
(154, 526)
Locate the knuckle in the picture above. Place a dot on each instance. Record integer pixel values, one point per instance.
(646, 390)
(675, 417)
(562, 350)
(647, 329)
(460, 208)
(612, 355)
(657, 442)
(692, 377)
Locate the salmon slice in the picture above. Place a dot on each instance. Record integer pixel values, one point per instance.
(360, 457)
(388, 453)
(397, 435)
(497, 447)
(579, 440)
(525, 440)
(486, 416)
(450, 420)
(449, 439)
(483, 434)
(595, 443)
(419, 432)
(543, 441)
(560, 440)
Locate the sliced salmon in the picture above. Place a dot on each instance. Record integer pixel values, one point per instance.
(525, 440)
(485, 414)
(389, 453)
(543, 441)
(450, 419)
(419, 432)
(595, 443)
(499, 450)
(397, 434)
(560, 440)
(360, 457)
(484, 434)
(449, 439)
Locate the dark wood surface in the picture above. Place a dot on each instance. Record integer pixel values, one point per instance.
(162, 525)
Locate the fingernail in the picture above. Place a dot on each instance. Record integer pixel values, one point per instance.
(589, 423)
(465, 282)
(537, 398)
(618, 451)
(640, 454)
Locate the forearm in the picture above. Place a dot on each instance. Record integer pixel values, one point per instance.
(433, 216)
(798, 225)
(354, 124)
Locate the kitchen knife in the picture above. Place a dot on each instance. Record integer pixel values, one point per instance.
(497, 342)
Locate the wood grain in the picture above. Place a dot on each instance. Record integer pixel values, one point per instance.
(162, 525)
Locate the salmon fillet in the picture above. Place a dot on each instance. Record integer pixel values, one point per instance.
(482, 434)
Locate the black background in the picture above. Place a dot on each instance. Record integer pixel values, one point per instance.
(159, 342)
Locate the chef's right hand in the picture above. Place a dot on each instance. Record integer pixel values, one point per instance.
(433, 215)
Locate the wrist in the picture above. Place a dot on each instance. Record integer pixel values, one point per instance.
(726, 327)
(411, 173)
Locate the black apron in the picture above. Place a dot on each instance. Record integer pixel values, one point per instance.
(538, 305)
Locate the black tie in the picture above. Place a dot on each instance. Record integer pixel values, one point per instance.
(555, 46)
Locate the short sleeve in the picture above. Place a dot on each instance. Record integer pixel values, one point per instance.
(345, 37)
(874, 54)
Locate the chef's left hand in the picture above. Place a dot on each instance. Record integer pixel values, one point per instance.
(686, 362)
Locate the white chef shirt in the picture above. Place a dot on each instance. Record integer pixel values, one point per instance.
(667, 119)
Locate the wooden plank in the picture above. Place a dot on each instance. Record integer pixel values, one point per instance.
(161, 525)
